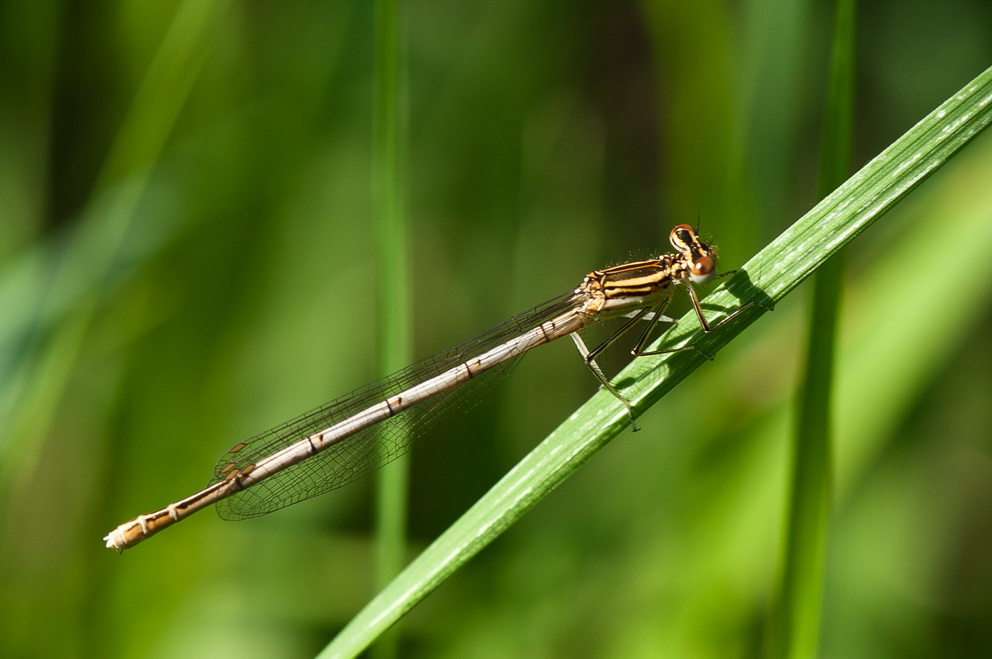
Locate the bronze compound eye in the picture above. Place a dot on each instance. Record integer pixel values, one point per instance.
(703, 266)
(683, 237)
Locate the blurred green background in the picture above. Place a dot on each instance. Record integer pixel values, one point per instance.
(186, 258)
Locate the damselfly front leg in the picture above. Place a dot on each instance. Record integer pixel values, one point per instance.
(639, 351)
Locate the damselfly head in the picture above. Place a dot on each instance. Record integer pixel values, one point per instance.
(699, 257)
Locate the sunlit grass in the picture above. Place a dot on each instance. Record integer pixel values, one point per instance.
(188, 258)
(771, 274)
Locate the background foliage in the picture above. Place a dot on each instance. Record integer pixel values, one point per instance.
(185, 260)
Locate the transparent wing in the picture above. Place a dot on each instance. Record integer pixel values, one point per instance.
(373, 447)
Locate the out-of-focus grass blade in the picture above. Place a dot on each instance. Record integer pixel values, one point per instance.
(797, 616)
(29, 392)
(394, 283)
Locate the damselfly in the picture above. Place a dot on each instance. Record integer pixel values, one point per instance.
(346, 439)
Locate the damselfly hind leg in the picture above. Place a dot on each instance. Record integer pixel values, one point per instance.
(590, 359)
(590, 356)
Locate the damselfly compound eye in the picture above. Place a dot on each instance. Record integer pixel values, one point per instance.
(702, 270)
(683, 237)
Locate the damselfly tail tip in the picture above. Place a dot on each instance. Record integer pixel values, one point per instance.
(114, 540)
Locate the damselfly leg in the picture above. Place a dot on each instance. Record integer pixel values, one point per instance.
(652, 316)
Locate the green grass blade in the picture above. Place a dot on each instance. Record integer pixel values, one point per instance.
(394, 285)
(796, 623)
(766, 278)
